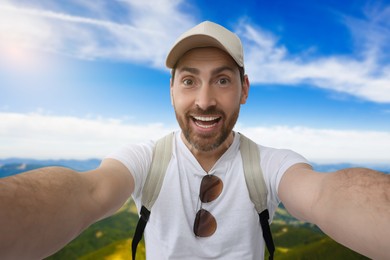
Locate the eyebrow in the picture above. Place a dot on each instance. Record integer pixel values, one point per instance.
(190, 70)
(213, 72)
(221, 69)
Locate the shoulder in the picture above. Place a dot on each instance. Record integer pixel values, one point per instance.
(133, 154)
(130, 149)
(275, 163)
(136, 158)
(277, 156)
(278, 161)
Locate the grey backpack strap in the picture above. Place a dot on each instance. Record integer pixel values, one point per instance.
(257, 188)
(253, 174)
(162, 154)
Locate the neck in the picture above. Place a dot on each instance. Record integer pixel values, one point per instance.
(207, 159)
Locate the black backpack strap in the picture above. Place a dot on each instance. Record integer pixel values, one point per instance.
(264, 217)
(139, 231)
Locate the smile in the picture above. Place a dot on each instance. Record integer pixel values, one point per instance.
(206, 121)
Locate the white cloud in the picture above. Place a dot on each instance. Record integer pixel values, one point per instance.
(46, 136)
(144, 31)
(365, 75)
(326, 145)
(139, 36)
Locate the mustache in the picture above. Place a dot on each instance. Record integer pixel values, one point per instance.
(209, 111)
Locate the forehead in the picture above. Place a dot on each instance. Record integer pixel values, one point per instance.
(206, 55)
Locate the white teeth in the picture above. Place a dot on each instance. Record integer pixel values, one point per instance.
(205, 118)
(205, 126)
(199, 119)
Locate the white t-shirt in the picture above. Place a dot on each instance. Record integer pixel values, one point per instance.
(169, 232)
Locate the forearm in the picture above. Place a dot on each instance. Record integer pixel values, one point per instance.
(40, 213)
(354, 209)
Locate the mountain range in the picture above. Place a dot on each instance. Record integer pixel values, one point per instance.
(11, 166)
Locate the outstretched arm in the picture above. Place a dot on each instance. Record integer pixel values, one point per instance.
(351, 205)
(42, 210)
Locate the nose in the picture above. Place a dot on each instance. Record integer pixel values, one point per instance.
(206, 97)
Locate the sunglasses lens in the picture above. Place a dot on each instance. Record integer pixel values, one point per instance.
(210, 188)
(205, 224)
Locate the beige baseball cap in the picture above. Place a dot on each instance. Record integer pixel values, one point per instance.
(206, 34)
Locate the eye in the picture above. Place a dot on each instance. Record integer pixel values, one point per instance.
(188, 82)
(223, 81)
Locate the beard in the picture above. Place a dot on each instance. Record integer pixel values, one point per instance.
(206, 142)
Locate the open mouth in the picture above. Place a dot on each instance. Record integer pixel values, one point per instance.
(206, 122)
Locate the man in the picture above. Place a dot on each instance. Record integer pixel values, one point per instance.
(42, 210)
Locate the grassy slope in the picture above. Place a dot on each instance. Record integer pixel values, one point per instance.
(116, 251)
(305, 242)
(108, 233)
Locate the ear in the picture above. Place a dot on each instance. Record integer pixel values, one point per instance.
(171, 90)
(245, 90)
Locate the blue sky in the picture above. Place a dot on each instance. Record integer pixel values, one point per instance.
(80, 78)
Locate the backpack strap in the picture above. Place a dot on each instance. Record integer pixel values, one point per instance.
(257, 188)
(162, 155)
(253, 176)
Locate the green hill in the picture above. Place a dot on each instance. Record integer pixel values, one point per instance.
(110, 239)
(115, 251)
(104, 237)
(305, 242)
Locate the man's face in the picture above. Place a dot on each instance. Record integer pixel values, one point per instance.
(206, 94)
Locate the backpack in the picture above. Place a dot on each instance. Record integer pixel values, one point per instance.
(253, 176)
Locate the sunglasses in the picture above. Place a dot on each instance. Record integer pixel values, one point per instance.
(210, 189)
